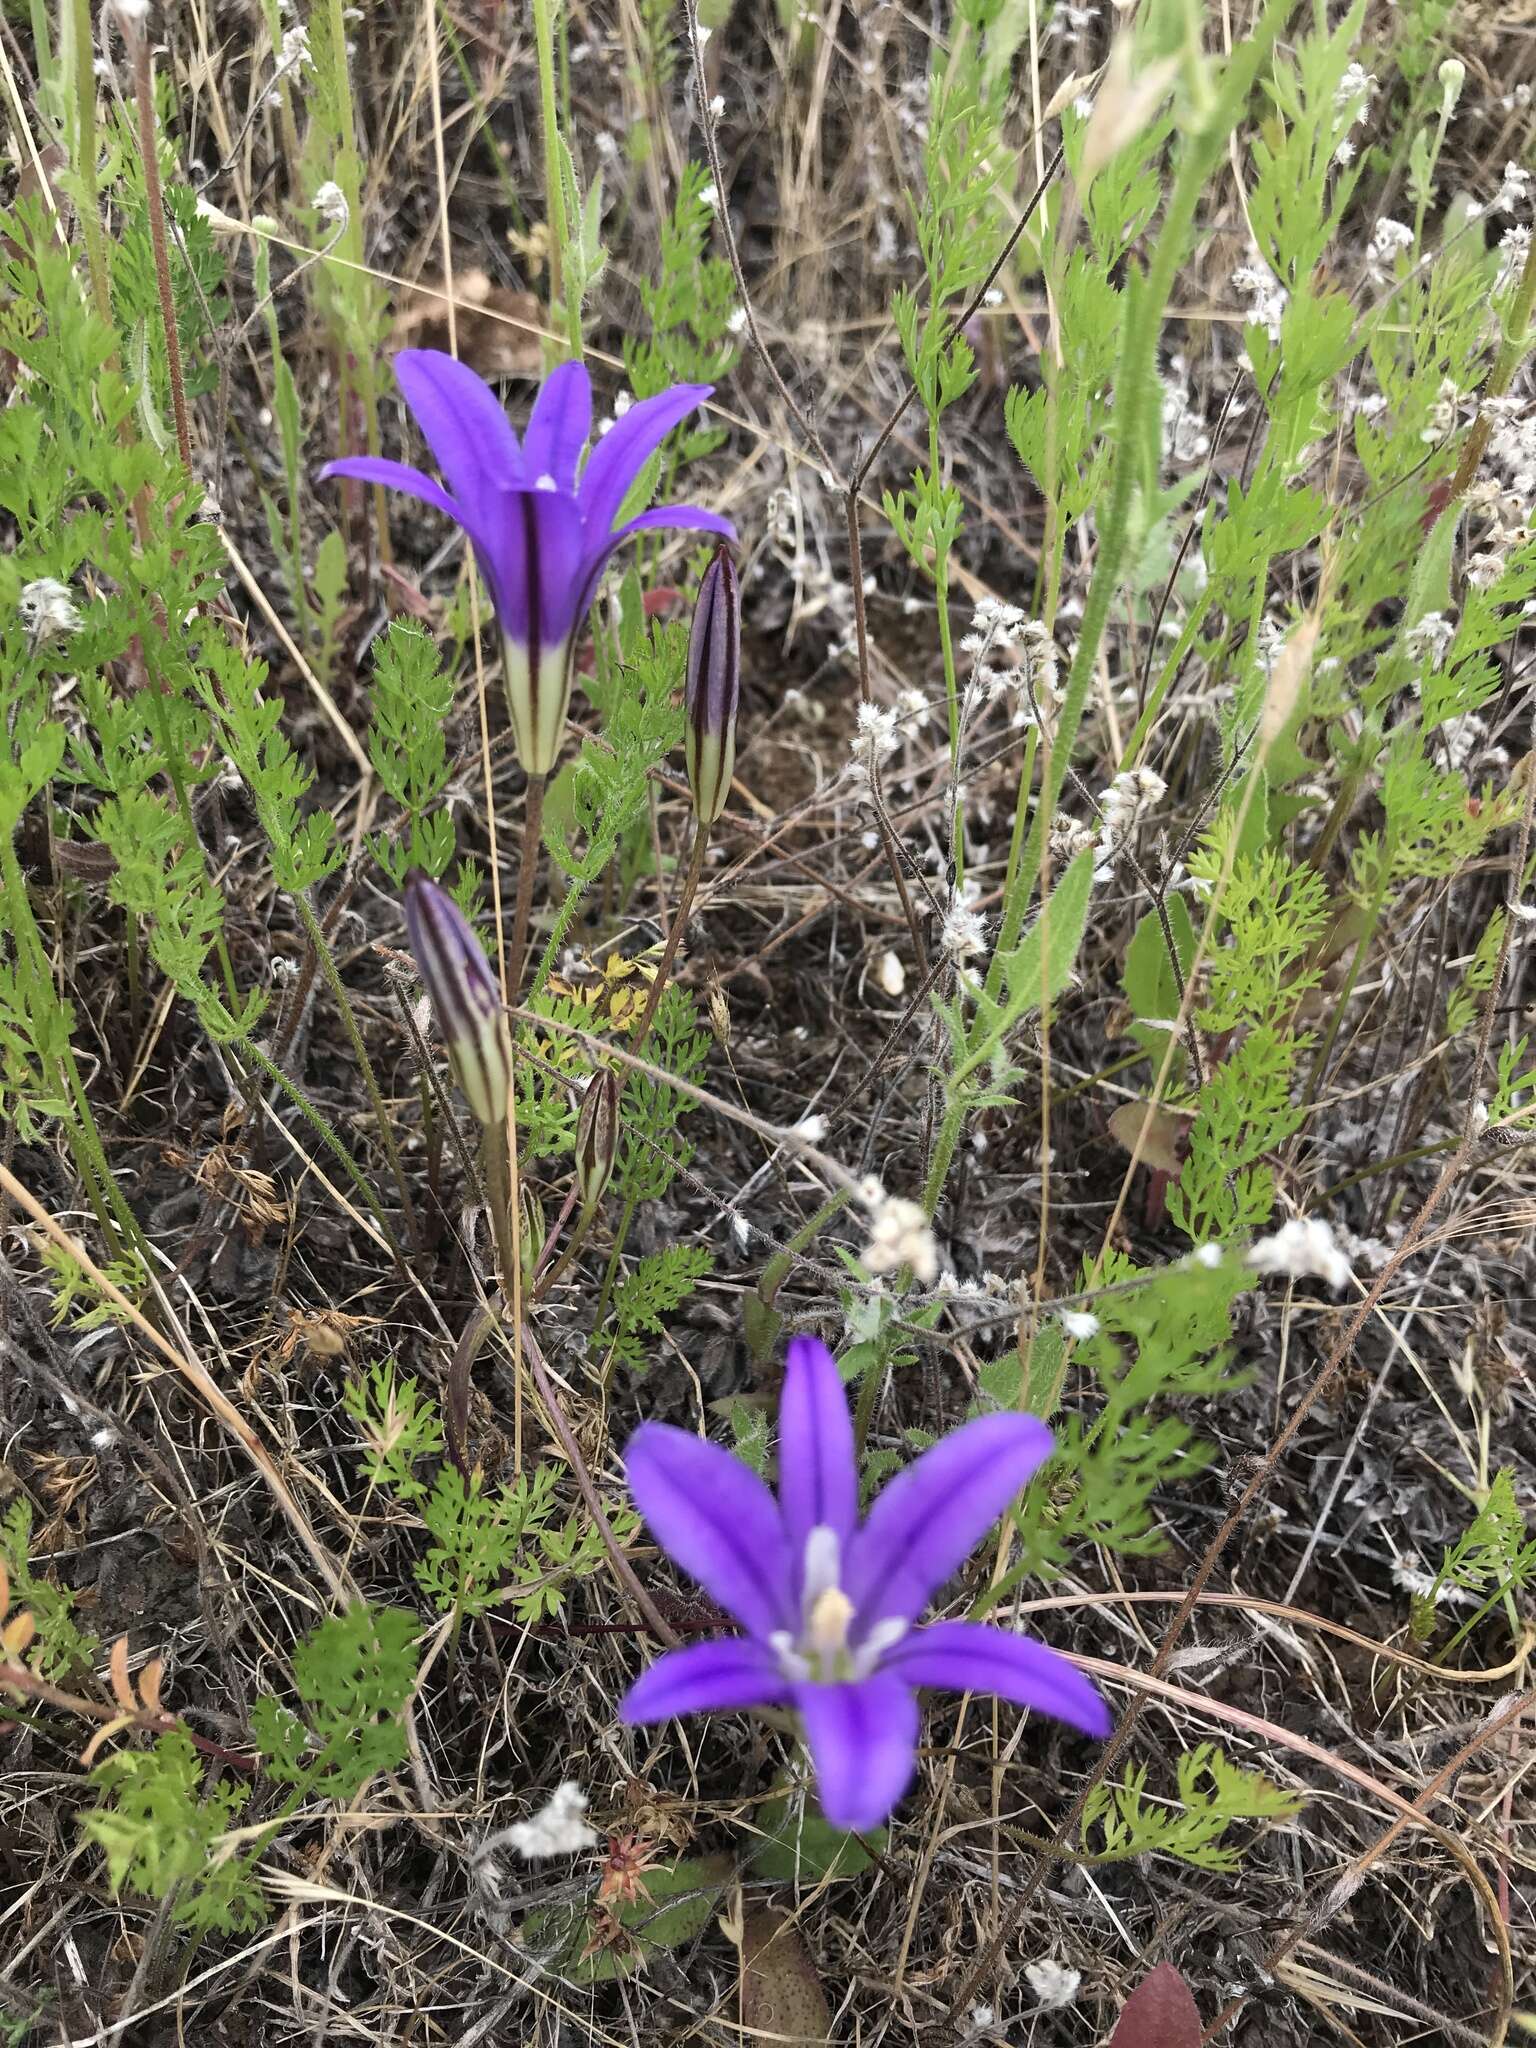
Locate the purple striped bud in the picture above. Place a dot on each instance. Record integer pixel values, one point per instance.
(713, 688)
(597, 1135)
(465, 997)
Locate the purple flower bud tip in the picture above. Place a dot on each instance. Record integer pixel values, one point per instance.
(465, 996)
(597, 1135)
(713, 687)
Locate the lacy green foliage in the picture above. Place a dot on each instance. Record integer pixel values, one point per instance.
(1060, 429)
(1120, 1821)
(586, 1943)
(60, 1650)
(78, 1298)
(1432, 828)
(491, 1546)
(163, 1829)
(166, 1829)
(1300, 188)
(1270, 912)
(1512, 1099)
(400, 1428)
(654, 1149)
(655, 1286)
(197, 281)
(1161, 1339)
(353, 1674)
(597, 806)
(408, 747)
(1461, 1005)
(302, 844)
(687, 337)
(1491, 1560)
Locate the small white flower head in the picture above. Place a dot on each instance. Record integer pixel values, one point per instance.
(103, 1439)
(717, 106)
(1429, 639)
(891, 975)
(1389, 240)
(1300, 1249)
(47, 610)
(557, 1829)
(900, 1235)
(1079, 1324)
(737, 324)
(1267, 295)
(1513, 250)
(1484, 569)
(1124, 805)
(1208, 1255)
(1514, 192)
(295, 52)
(812, 1129)
(710, 197)
(1069, 837)
(1354, 92)
(1452, 76)
(964, 935)
(331, 204)
(1054, 1984)
(875, 737)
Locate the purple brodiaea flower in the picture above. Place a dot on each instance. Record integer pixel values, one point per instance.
(828, 1601)
(542, 536)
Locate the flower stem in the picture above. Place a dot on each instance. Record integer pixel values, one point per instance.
(144, 96)
(674, 936)
(533, 824)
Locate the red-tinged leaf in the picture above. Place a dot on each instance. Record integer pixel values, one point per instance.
(1159, 2014)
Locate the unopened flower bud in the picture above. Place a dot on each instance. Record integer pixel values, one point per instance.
(533, 1233)
(713, 688)
(597, 1136)
(465, 996)
(1453, 76)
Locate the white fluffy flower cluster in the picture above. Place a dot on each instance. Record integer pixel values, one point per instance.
(47, 610)
(559, 1828)
(1123, 806)
(1442, 414)
(1301, 1248)
(1514, 192)
(1429, 639)
(963, 935)
(899, 1235)
(1069, 837)
(1054, 1984)
(1513, 251)
(1267, 296)
(1035, 666)
(1352, 99)
(1389, 239)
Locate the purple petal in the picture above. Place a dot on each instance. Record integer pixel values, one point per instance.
(463, 421)
(966, 1656)
(818, 1475)
(863, 1742)
(706, 1678)
(559, 425)
(683, 518)
(716, 1518)
(926, 1523)
(625, 449)
(394, 476)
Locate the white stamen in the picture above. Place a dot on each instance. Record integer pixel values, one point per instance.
(796, 1669)
(823, 1565)
(884, 1636)
(545, 483)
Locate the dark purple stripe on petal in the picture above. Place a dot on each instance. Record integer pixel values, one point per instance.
(625, 449)
(863, 1742)
(818, 1474)
(714, 1517)
(926, 1523)
(966, 1656)
(558, 426)
(706, 1678)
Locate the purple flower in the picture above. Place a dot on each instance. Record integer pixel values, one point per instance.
(542, 538)
(828, 1601)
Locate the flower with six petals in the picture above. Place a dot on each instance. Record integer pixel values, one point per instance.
(542, 523)
(829, 1601)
